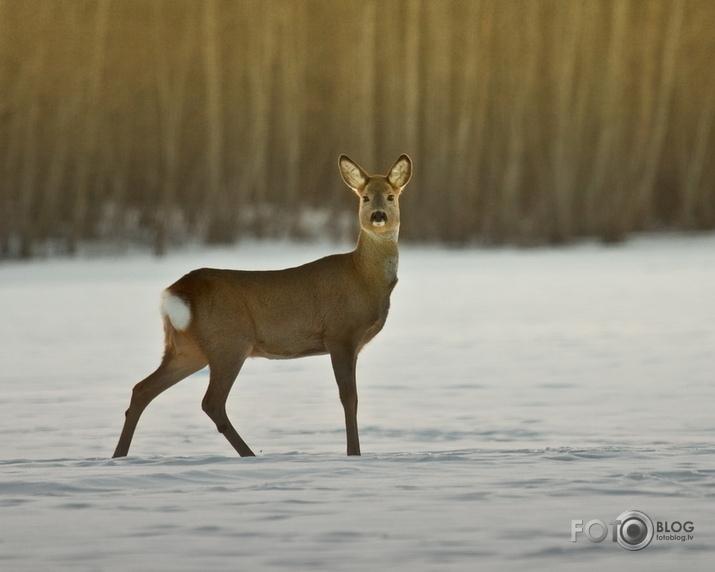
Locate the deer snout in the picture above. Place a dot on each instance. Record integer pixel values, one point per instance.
(378, 218)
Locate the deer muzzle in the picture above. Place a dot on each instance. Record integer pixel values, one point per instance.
(378, 218)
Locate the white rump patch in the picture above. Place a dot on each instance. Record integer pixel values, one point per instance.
(176, 309)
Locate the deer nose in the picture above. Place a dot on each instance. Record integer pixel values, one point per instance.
(378, 217)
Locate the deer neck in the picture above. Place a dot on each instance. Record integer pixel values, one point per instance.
(377, 257)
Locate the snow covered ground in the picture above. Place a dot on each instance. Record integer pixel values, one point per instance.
(511, 392)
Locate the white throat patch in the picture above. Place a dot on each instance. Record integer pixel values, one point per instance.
(391, 269)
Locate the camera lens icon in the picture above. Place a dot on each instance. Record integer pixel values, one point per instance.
(635, 531)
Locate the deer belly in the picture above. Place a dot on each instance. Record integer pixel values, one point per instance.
(288, 347)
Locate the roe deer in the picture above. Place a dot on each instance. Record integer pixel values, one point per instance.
(334, 305)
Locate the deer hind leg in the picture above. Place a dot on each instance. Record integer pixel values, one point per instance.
(224, 370)
(344, 360)
(174, 367)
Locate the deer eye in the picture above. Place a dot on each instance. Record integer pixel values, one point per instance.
(365, 199)
(391, 198)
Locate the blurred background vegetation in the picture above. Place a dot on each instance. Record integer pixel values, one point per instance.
(529, 121)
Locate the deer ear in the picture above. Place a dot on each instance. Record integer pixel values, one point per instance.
(401, 172)
(353, 174)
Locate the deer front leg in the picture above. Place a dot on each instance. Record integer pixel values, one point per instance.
(344, 359)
